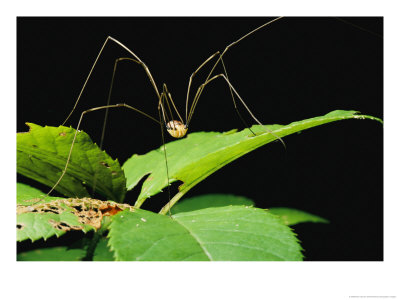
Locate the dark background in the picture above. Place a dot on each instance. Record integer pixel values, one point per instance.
(296, 68)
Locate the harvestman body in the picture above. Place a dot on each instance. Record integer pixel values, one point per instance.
(176, 128)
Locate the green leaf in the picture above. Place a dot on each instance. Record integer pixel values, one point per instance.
(42, 154)
(291, 216)
(200, 154)
(56, 217)
(218, 233)
(210, 200)
(34, 226)
(143, 235)
(27, 195)
(75, 252)
(52, 254)
(103, 252)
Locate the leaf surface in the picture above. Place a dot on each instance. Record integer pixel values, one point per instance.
(52, 254)
(218, 233)
(42, 154)
(56, 217)
(200, 154)
(27, 195)
(291, 216)
(210, 200)
(34, 226)
(74, 252)
(103, 252)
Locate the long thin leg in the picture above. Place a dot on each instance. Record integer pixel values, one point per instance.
(138, 60)
(107, 109)
(166, 161)
(172, 101)
(77, 129)
(190, 81)
(161, 107)
(237, 41)
(110, 92)
(233, 99)
(200, 90)
(165, 98)
(241, 100)
(213, 68)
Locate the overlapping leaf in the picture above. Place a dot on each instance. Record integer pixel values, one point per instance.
(42, 155)
(219, 233)
(46, 220)
(291, 216)
(27, 195)
(61, 253)
(210, 200)
(64, 253)
(55, 216)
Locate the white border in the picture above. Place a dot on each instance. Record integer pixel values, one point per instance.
(223, 280)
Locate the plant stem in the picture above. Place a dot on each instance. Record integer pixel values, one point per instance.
(139, 202)
(171, 203)
(96, 237)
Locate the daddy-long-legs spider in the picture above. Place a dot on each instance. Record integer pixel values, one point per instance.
(296, 69)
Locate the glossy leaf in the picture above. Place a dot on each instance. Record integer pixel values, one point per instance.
(218, 233)
(200, 154)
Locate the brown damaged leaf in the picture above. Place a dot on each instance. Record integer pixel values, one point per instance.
(64, 226)
(89, 211)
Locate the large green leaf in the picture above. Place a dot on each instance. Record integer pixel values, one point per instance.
(42, 154)
(218, 233)
(200, 154)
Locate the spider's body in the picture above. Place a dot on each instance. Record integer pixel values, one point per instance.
(176, 129)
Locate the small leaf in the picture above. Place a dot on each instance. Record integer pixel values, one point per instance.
(42, 154)
(200, 154)
(210, 200)
(291, 216)
(219, 233)
(52, 254)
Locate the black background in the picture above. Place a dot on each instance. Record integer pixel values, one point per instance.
(296, 68)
